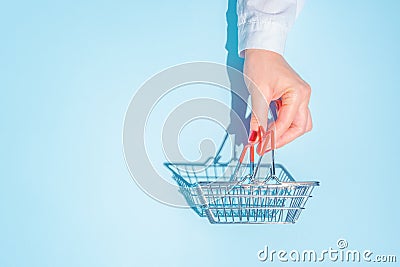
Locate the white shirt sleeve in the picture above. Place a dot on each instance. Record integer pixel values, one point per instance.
(264, 24)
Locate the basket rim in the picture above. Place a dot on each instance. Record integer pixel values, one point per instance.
(171, 165)
(260, 185)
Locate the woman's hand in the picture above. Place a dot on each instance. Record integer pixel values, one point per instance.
(269, 77)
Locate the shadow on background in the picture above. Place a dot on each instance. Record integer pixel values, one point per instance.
(238, 99)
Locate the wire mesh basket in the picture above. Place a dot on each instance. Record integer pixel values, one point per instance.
(211, 191)
(244, 193)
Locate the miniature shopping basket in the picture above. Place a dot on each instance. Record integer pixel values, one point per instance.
(243, 193)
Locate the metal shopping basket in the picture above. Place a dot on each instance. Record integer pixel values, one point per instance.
(243, 193)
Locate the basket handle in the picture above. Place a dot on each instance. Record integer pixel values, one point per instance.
(262, 139)
(217, 156)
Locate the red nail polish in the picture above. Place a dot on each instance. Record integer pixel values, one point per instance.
(253, 136)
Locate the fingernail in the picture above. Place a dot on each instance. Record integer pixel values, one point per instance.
(253, 136)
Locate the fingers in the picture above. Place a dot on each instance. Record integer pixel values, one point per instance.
(294, 117)
(259, 115)
(268, 76)
(301, 124)
(287, 112)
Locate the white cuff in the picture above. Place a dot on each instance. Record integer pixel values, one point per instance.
(267, 35)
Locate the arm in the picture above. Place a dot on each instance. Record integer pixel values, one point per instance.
(263, 26)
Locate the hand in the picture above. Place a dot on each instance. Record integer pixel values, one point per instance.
(269, 77)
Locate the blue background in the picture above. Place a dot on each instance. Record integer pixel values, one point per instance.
(69, 70)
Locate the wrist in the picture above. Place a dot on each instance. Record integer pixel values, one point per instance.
(261, 53)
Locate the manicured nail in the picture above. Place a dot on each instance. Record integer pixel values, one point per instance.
(278, 104)
(253, 136)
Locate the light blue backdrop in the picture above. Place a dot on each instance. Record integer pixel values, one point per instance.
(68, 72)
